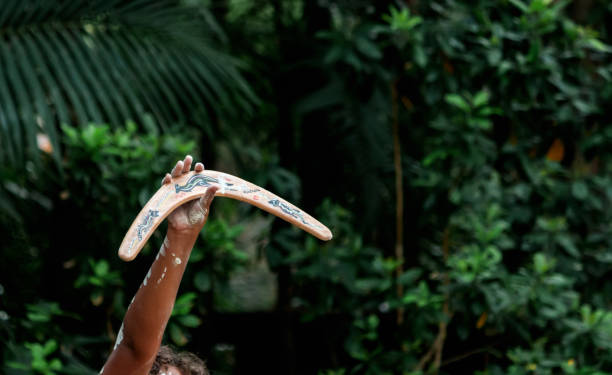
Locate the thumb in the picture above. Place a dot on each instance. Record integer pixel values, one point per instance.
(205, 201)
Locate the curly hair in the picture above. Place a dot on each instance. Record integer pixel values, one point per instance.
(188, 363)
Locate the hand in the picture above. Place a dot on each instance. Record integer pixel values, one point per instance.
(191, 216)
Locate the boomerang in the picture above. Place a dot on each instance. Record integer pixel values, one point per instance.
(193, 185)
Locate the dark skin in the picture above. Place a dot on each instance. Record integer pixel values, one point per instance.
(145, 320)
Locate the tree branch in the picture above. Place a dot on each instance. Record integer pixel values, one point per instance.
(438, 345)
(399, 200)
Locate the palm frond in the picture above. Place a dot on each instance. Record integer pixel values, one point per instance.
(78, 61)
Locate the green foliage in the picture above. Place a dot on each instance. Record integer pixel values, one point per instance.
(101, 167)
(182, 318)
(500, 107)
(39, 364)
(109, 61)
(504, 136)
(100, 280)
(401, 19)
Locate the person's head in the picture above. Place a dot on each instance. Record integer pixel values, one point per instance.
(169, 362)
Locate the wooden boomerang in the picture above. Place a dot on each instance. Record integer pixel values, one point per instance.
(193, 185)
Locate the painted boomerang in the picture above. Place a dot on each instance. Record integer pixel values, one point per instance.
(193, 185)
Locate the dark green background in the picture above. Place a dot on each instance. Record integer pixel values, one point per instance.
(491, 116)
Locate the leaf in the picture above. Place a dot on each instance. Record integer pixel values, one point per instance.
(101, 268)
(480, 123)
(18, 365)
(183, 304)
(434, 156)
(6, 207)
(419, 56)
(49, 347)
(598, 45)
(190, 321)
(556, 151)
(488, 111)
(126, 45)
(91, 78)
(580, 190)
(409, 276)
(542, 263)
(177, 335)
(43, 113)
(202, 281)
(55, 364)
(482, 320)
(457, 101)
(368, 48)
(373, 321)
(100, 61)
(38, 317)
(567, 243)
(481, 98)
(26, 136)
(521, 5)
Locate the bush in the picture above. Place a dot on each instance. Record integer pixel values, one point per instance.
(502, 122)
(69, 225)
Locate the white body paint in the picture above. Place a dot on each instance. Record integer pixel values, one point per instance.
(119, 338)
(147, 278)
(195, 216)
(162, 275)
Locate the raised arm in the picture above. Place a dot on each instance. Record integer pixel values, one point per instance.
(143, 327)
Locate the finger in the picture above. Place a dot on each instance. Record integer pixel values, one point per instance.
(199, 167)
(207, 199)
(178, 169)
(187, 163)
(167, 178)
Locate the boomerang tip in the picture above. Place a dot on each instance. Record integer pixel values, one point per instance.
(326, 235)
(124, 257)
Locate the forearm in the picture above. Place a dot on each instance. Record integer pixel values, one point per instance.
(147, 316)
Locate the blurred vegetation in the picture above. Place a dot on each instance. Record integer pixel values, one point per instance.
(458, 151)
